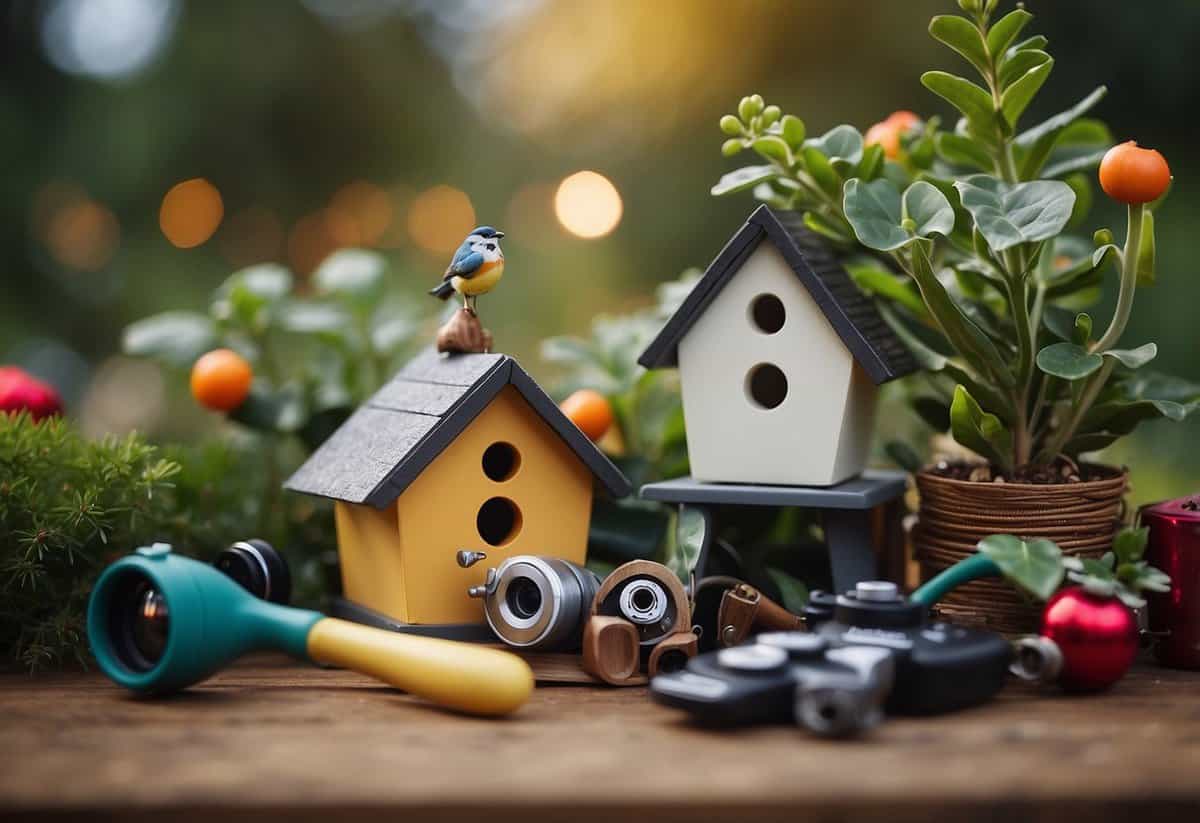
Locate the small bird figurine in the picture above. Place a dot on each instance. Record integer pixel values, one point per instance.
(476, 268)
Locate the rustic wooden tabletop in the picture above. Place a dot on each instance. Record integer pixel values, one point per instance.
(274, 739)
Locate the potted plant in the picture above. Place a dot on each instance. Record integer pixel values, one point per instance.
(966, 236)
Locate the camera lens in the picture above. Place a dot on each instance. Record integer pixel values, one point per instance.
(139, 623)
(524, 598)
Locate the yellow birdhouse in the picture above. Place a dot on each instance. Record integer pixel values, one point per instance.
(455, 452)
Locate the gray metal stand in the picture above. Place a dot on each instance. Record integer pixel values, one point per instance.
(845, 512)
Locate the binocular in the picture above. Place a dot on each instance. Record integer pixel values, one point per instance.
(159, 622)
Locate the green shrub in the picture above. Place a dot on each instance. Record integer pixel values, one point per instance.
(68, 506)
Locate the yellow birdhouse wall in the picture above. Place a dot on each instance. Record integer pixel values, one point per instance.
(401, 561)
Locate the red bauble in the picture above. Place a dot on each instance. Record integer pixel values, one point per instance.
(1097, 636)
(19, 390)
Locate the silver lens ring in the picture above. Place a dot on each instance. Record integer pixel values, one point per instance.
(252, 550)
(643, 601)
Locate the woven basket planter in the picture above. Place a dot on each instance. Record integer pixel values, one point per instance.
(954, 515)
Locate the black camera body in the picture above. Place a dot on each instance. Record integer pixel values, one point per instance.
(867, 651)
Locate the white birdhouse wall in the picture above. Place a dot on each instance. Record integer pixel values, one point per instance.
(770, 392)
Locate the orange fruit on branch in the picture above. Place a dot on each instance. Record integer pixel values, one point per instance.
(887, 132)
(1130, 174)
(221, 380)
(590, 411)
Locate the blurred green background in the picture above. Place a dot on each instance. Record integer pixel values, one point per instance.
(399, 124)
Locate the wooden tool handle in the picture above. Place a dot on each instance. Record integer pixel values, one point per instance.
(461, 676)
(611, 652)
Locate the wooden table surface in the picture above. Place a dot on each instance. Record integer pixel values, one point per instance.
(297, 743)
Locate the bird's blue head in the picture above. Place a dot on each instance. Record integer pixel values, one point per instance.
(486, 241)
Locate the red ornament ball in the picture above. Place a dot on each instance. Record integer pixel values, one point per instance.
(19, 390)
(1097, 636)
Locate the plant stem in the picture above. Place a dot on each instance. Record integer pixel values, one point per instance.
(1129, 256)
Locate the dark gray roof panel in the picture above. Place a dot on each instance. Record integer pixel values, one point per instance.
(455, 370)
(386, 444)
(422, 398)
(360, 455)
(851, 313)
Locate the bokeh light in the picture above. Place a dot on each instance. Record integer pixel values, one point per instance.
(191, 212)
(439, 218)
(79, 232)
(588, 204)
(359, 213)
(107, 38)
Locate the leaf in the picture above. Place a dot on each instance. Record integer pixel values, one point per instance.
(176, 337)
(1076, 161)
(819, 167)
(960, 34)
(877, 281)
(1017, 96)
(268, 410)
(773, 148)
(1068, 361)
(268, 281)
(1034, 565)
(1005, 30)
(904, 455)
(842, 143)
(1053, 126)
(692, 529)
(929, 208)
(312, 317)
(872, 162)
(744, 178)
(1121, 418)
(1145, 254)
(962, 151)
(354, 274)
(1020, 64)
(974, 102)
(1130, 544)
(1081, 332)
(933, 411)
(825, 227)
(980, 431)
(1134, 358)
(876, 211)
(1009, 214)
(793, 593)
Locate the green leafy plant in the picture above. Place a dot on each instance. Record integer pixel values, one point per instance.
(965, 238)
(1039, 567)
(67, 507)
(314, 357)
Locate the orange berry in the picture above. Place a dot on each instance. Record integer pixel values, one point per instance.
(590, 411)
(221, 380)
(904, 120)
(1129, 174)
(885, 134)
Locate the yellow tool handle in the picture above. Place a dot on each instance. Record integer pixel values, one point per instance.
(460, 676)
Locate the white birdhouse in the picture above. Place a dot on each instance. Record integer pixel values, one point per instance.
(780, 356)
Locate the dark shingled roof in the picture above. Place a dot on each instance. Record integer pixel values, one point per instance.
(853, 316)
(388, 442)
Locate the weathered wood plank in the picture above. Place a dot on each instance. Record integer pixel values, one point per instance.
(304, 743)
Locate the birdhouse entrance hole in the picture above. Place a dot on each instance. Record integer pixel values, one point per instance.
(766, 385)
(767, 313)
(501, 461)
(498, 521)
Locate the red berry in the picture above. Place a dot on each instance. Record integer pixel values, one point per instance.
(19, 390)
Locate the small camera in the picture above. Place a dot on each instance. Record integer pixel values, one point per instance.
(536, 603)
(873, 651)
